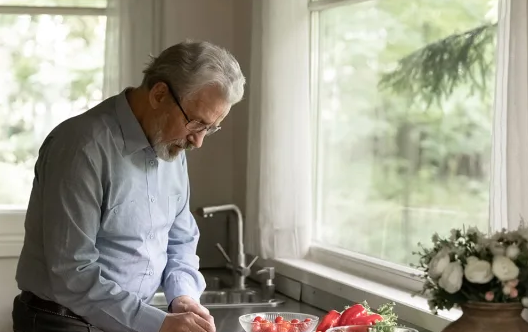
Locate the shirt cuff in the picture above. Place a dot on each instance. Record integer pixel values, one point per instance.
(149, 319)
(174, 288)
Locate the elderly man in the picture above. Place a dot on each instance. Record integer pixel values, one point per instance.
(108, 221)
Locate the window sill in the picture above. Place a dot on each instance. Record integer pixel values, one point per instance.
(11, 231)
(410, 309)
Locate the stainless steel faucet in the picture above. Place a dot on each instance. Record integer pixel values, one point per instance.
(242, 270)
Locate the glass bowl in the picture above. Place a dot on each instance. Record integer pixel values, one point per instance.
(369, 328)
(307, 323)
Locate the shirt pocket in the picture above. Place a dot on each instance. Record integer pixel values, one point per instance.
(126, 220)
(175, 206)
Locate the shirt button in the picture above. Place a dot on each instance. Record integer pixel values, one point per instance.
(150, 272)
(152, 199)
(152, 163)
(179, 198)
(151, 236)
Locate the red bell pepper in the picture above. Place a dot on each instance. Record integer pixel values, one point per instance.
(367, 320)
(351, 313)
(329, 321)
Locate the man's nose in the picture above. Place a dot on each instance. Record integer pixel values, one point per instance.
(197, 139)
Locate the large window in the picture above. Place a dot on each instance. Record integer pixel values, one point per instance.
(51, 59)
(404, 93)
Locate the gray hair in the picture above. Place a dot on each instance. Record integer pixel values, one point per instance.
(190, 66)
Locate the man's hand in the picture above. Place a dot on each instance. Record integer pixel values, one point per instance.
(183, 304)
(186, 322)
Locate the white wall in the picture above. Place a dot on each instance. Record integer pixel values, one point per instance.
(242, 51)
(218, 170)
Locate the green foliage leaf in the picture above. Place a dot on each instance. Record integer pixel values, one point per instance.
(434, 71)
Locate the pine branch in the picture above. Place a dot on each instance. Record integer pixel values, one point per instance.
(434, 71)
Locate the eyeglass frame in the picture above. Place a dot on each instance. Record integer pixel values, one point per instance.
(209, 130)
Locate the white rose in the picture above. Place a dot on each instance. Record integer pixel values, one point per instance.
(471, 259)
(478, 271)
(451, 280)
(438, 264)
(512, 251)
(504, 268)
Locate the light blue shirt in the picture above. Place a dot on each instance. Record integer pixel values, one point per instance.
(108, 222)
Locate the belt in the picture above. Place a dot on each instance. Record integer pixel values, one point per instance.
(50, 307)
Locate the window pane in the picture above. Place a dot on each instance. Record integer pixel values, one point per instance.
(393, 166)
(52, 69)
(59, 3)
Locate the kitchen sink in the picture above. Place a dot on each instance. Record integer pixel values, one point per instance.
(226, 298)
(236, 298)
(218, 295)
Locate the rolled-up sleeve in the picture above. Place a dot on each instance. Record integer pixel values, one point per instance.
(71, 191)
(181, 275)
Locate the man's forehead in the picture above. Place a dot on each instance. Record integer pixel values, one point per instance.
(211, 105)
(211, 114)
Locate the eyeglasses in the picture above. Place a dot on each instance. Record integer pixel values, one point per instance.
(193, 125)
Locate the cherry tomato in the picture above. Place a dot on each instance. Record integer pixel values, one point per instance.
(270, 327)
(258, 319)
(306, 325)
(256, 327)
(279, 319)
(295, 321)
(267, 326)
(284, 326)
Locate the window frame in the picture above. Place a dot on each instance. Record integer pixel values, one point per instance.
(48, 10)
(382, 271)
(150, 40)
(12, 216)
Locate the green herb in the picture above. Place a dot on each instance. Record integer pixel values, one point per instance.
(390, 319)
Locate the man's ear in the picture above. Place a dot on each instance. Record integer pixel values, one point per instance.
(157, 94)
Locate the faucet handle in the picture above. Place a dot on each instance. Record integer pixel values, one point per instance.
(269, 269)
(252, 262)
(223, 252)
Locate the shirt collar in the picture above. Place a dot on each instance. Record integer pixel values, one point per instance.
(133, 135)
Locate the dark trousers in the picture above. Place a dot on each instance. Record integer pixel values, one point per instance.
(27, 318)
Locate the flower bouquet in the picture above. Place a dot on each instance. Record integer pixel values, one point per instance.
(471, 268)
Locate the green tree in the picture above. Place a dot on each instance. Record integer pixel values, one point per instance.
(52, 70)
(396, 165)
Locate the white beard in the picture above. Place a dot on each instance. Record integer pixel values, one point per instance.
(163, 149)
